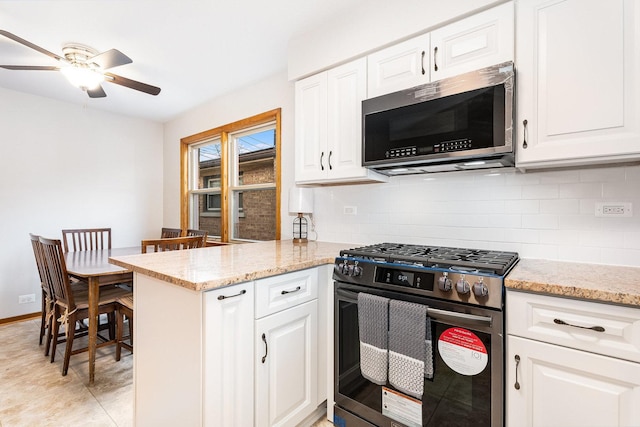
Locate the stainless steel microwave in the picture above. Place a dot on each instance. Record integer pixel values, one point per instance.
(457, 123)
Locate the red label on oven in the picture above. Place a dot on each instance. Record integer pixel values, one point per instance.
(463, 351)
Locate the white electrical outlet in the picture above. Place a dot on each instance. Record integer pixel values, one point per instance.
(614, 209)
(26, 299)
(350, 210)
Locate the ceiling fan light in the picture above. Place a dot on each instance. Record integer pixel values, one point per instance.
(84, 78)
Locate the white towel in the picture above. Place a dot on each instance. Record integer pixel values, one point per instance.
(373, 321)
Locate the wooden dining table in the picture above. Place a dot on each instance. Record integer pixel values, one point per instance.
(94, 268)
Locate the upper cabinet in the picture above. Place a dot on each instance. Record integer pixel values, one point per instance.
(577, 82)
(398, 67)
(481, 40)
(328, 126)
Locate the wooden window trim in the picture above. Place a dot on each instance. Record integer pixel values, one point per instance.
(223, 132)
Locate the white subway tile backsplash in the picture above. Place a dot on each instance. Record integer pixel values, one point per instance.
(560, 206)
(540, 214)
(540, 221)
(542, 191)
(580, 190)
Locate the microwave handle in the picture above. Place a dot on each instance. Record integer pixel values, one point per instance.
(436, 313)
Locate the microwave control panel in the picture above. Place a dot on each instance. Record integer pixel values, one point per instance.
(455, 145)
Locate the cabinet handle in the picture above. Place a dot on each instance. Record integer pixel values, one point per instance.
(524, 140)
(517, 384)
(330, 167)
(266, 348)
(593, 328)
(422, 60)
(435, 63)
(321, 159)
(290, 292)
(242, 292)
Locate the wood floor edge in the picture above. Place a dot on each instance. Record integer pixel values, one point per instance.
(20, 318)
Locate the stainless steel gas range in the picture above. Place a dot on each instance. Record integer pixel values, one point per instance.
(419, 336)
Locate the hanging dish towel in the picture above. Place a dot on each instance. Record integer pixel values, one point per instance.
(408, 347)
(428, 356)
(373, 323)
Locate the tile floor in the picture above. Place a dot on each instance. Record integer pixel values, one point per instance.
(33, 391)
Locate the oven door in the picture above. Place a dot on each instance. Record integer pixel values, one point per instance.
(457, 395)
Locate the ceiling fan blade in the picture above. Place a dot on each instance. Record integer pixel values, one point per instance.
(96, 93)
(132, 84)
(31, 45)
(111, 58)
(31, 67)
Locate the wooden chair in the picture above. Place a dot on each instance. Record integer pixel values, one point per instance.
(70, 306)
(172, 244)
(170, 232)
(202, 233)
(86, 239)
(47, 294)
(124, 308)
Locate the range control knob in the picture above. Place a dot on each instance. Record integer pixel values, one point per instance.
(444, 283)
(357, 271)
(462, 286)
(480, 289)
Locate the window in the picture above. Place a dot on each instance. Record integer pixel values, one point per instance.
(230, 178)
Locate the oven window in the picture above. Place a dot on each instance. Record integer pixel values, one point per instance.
(449, 399)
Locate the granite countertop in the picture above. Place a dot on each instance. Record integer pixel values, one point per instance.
(213, 267)
(601, 283)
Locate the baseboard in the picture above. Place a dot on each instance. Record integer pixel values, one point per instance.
(20, 318)
(315, 416)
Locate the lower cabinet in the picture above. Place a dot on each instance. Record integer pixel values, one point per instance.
(241, 355)
(571, 363)
(285, 366)
(550, 385)
(228, 349)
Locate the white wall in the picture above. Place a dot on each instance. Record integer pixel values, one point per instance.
(271, 93)
(543, 214)
(65, 166)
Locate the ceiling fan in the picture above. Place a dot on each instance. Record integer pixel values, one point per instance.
(84, 67)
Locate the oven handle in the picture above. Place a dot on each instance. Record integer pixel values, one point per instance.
(436, 313)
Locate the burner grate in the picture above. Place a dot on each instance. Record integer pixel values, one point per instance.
(495, 262)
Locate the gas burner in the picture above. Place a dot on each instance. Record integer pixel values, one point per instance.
(459, 259)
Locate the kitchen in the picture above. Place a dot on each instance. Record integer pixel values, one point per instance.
(541, 214)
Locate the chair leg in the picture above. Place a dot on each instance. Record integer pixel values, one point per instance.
(131, 332)
(119, 326)
(56, 330)
(50, 327)
(112, 324)
(69, 345)
(43, 317)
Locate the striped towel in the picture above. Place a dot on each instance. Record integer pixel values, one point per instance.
(408, 345)
(373, 316)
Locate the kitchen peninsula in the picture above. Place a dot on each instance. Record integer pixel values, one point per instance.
(232, 335)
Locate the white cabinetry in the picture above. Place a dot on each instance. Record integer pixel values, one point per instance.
(481, 40)
(578, 90)
(228, 349)
(571, 363)
(328, 126)
(286, 348)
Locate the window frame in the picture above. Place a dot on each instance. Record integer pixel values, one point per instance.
(224, 133)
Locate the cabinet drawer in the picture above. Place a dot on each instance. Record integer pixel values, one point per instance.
(606, 329)
(278, 293)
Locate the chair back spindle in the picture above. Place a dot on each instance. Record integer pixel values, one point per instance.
(86, 239)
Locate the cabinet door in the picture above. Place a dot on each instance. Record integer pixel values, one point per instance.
(228, 346)
(569, 388)
(347, 87)
(311, 128)
(398, 67)
(286, 366)
(479, 41)
(577, 83)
